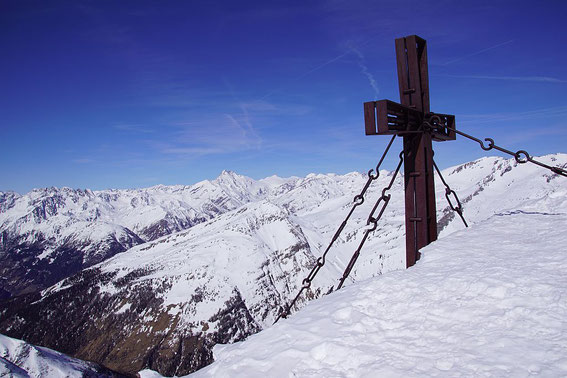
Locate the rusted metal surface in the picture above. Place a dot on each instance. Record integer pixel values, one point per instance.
(386, 117)
(413, 120)
(442, 126)
(411, 56)
(421, 220)
(419, 196)
(370, 118)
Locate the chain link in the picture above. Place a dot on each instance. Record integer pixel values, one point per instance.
(358, 200)
(521, 156)
(372, 220)
(448, 192)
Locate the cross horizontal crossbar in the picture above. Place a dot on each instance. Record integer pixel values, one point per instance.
(386, 117)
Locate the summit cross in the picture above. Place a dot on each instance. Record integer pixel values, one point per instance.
(413, 120)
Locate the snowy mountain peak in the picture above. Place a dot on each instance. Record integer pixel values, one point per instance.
(227, 176)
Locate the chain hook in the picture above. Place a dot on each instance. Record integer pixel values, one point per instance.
(519, 159)
(490, 144)
(373, 176)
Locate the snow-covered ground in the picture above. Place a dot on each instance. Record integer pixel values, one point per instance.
(490, 300)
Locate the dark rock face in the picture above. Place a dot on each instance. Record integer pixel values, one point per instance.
(23, 272)
(168, 226)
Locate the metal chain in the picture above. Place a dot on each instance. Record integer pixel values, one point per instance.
(358, 200)
(448, 191)
(521, 156)
(433, 123)
(371, 220)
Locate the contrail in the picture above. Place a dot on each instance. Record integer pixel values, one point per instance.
(478, 52)
(332, 60)
(539, 79)
(322, 65)
(369, 76)
(306, 73)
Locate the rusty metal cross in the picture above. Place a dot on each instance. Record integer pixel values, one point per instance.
(409, 119)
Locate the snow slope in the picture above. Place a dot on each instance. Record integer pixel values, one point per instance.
(20, 359)
(486, 301)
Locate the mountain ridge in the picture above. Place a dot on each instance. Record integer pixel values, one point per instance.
(52, 222)
(224, 279)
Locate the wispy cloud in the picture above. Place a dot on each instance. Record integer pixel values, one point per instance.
(530, 135)
(135, 128)
(83, 161)
(543, 113)
(245, 132)
(477, 52)
(193, 151)
(322, 65)
(539, 79)
(223, 134)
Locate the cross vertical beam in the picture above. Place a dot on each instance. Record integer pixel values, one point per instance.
(413, 120)
(421, 221)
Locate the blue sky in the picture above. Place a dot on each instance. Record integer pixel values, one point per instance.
(124, 94)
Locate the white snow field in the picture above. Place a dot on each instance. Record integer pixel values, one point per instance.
(490, 300)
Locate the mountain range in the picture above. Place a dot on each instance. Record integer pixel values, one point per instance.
(154, 278)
